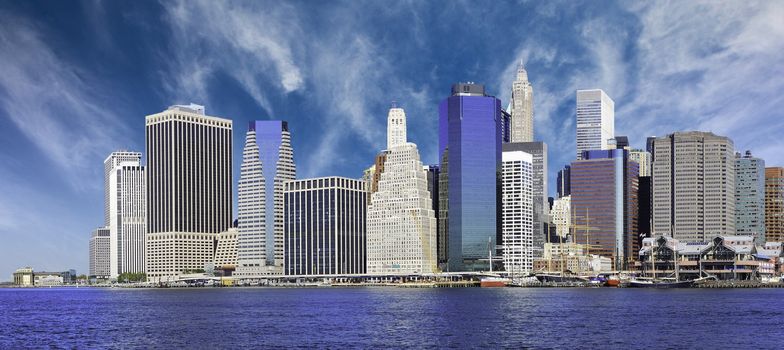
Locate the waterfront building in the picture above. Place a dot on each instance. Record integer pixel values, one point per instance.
(750, 196)
(324, 226)
(774, 204)
(189, 191)
(563, 181)
(561, 257)
(521, 107)
(470, 138)
(24, 277)
(99, 253)
(127, 212)
(604, 202)
(595, 121)
(517, 212)
(644, 200)
(267, 164)
(643, 158)
(541, 206)
(433, 179)
(693, 186)
(723, 257)
(561, 216)
(225, 257)
(401, 224)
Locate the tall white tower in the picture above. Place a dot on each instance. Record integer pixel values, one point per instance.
(595, 120)
(517, 212)
(401, 223)
(126, 204)
(522, 107)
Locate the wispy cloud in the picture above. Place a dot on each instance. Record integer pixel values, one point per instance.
(56, 105)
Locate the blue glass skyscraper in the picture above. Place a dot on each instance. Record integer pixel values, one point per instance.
(470, 136)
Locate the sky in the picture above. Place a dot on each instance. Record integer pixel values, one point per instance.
(78, 78)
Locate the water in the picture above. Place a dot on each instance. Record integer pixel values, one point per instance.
(391, 317)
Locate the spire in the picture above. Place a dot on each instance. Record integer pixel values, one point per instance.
(396, 127)
(522, 74)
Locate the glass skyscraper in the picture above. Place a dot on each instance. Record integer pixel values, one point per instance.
(470, 135)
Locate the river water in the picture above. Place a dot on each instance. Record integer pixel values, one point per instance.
(381, 317)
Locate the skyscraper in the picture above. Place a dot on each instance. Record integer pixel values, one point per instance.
(693, 186)
(99, 253)
(604, 200)
(541, 209)
(517, 212)
(470, 137)
(109, 165)
(522, 107)
(643, 158)
(561, 215)
(401, 224)
(189, 191)
(774, 204)
(267, 163)
(562, 181)
(750, 197)
(595, 120)
(324, 226)
(127, 212)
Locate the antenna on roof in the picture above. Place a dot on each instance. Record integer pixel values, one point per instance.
(394, 104)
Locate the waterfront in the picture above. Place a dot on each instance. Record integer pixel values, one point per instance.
(389, 317)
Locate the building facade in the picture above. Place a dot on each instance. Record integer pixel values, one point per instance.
(541, 209)
(127, 212)
(401, 224)
(561, 216)
(521, 107)
(643, 158)
(774, 204)
(750, 197)
(470, 138)
(99, 266)
(225, 257)
(604, 202)
(563, 185)
(189, 190)
(693, 186)
(595, 121)
(24, 277)
(517, 212)
(325, 226)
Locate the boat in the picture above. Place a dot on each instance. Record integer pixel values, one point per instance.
(613, 281)
(494, 282)
(559, 278)
(646, 282)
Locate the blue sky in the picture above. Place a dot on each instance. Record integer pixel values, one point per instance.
(77, 79)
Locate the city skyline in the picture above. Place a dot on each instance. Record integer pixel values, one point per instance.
(336, 97)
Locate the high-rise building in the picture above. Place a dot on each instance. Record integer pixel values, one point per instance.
(604, 202)
(225, 257)
(595, 121)
(517, 212)
(324, 226)
(401, 224)
(644, 212)
(267, 163)
(433, 173)
(750, 197)
(522, 107)
(127, 212)
(643, 158)
(774, 204)
(189, 191)
(99, 253)
(541, 206)
(693, 186)
(112, 162)
(561, 216)
(470, 138)
(562, 181)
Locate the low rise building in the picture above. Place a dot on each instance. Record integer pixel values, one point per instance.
(24, 277)
(225, 257)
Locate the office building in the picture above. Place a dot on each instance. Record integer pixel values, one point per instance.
(595, 121)
(604, 202)
(561, 216)
(643, 158)
(267, 164)
(127, 212)
(470, 138)
(517, 212)
(189, 191)
(750, 197)
(401, 224)
(693, 186)
(562, 182)
(521, 108)
(225, 257)
(23, 277)
(99, 253)
(645, 211)
(774, 204)
(324, 226)
(541, 206)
